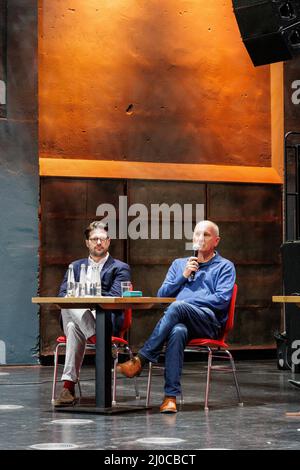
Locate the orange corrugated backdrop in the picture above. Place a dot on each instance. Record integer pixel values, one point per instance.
(150, 81)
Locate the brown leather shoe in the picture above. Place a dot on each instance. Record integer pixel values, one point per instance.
(130, 368)
(65, 398)
(168, 405)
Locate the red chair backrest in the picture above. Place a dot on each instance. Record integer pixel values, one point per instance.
(126, 322)
(230, 320)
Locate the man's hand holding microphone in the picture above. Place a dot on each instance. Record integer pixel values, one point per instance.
(192, 264)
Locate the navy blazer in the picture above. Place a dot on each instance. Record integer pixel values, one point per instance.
(112, 274)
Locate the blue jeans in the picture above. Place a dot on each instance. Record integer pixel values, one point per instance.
(181, 323)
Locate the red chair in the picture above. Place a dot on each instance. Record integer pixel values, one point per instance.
(215, 348)
(119, 345)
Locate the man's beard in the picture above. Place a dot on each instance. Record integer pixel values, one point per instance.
(98, 253)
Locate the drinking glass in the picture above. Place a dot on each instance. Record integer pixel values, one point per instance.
(126, 286)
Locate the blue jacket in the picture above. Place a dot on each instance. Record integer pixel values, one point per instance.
(112, 274)
(211, 288)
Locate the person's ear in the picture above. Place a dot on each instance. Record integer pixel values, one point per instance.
(217, 241)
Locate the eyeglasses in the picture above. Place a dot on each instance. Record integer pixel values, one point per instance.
(96, 239)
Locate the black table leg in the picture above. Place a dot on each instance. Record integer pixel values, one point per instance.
(103, 372)
(103, 358)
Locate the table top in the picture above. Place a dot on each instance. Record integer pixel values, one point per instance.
(290, 299)
(104, 302)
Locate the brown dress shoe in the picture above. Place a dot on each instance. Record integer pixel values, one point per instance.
(65, 398)
(130, 368)
(168, 405)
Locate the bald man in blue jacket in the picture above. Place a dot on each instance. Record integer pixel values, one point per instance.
(203, 287)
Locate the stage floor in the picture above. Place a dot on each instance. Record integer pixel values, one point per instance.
(260, 424)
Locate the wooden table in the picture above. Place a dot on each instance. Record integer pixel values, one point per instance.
(103, 306)
(289, 299)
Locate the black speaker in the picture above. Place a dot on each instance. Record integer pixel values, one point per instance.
(270, 29)
(290, 252)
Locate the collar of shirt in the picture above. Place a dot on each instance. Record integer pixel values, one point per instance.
(99, 267)
(100, 264)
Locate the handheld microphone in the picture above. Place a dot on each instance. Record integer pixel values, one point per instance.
(195, 248)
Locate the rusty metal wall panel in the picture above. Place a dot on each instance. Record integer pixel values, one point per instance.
(63, 197)
(170, 192)
(63, 239)
(193, 98)
(148, 278)
(257, 318)
(148, 252)
(255, 326)
(68, 205)
(51, 276)
(249, 202)
(257, 284)
(249, 217)
(163, 251)
(250, 242)
(101, 191)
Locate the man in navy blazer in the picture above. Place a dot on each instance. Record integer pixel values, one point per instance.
(79, 325)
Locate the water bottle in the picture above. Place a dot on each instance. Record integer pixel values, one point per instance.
(98, 286)
(70, 282)
(82, 281)
(95, 282)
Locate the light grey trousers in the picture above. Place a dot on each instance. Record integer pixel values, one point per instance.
(78, 324)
